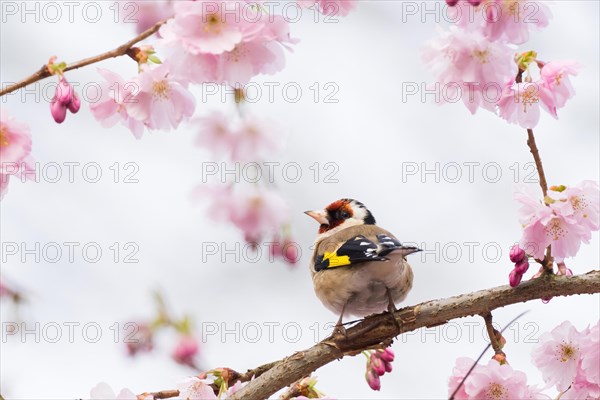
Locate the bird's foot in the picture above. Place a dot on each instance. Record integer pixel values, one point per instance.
(340, 330)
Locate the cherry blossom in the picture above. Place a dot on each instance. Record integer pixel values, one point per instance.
(116, 95)
(142, 340)
(555, 75)
(162, 102)
(194, 388)
(471, 64)
(186, 351)
(491, 381)
(64, 99)
(215, 133)
(258, 212)
(582, 202)
(378, 363)
(256, 139)
(546, 225)
(286, 249)
(520, 103)
(557, 355)
(15, 149)
(211, 26)
(501, 20)
(149, 13)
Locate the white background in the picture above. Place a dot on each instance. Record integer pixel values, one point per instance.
(369, 134)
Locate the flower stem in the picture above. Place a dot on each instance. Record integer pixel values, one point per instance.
(538, 160)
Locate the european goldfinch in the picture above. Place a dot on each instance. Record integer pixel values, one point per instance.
(357, 267)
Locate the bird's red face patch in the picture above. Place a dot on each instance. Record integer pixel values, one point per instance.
(337, 212)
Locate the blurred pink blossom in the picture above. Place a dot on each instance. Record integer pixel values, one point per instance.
(186, 351)
(256, 140)
(468, 64)
(142, 341)
(215, 133)
(162, 102)
(587, 382)
(501, 20)
(64, 98)
(286, 249)
(149, 13)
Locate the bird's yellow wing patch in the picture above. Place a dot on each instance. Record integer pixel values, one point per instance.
(335, 260)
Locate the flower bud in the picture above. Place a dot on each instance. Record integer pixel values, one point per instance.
(500, 357)
(451, 3)
(373, 380)
(377, 364)
(516, 253)
(387, 355)
(514, 278)
(387, 365)
(522, 266)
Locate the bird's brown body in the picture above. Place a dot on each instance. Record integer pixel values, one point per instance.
(364, 288)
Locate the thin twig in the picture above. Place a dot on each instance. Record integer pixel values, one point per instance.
(487, 317)
(43, 72)
(538, 161)
(462, 382)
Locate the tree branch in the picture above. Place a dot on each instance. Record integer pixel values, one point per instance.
(377, 328)
(43, 73)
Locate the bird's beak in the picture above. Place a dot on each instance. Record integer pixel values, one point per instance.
(320, 216)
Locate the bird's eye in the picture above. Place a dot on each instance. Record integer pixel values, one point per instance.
(344, 215)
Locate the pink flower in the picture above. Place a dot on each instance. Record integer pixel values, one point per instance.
(151, 12)
(557, 356)
(501, 20)
(215, 133)
(64, 98)
(555, 78)
(495, 381)
(287, 249)
(15, 143)
(258, 212)
(194, 388)
(141, 341)
(162, 102)
(188, 67)
(260, 53)
(544, 226)
(470, 65)
(582, 202)
(112, 106)
(256, 140)
(330, 7)
(104, 392)
(15, 149)
(211, 26)
(463, 364)
(185, 351)
(520, 103)
(587, 382)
